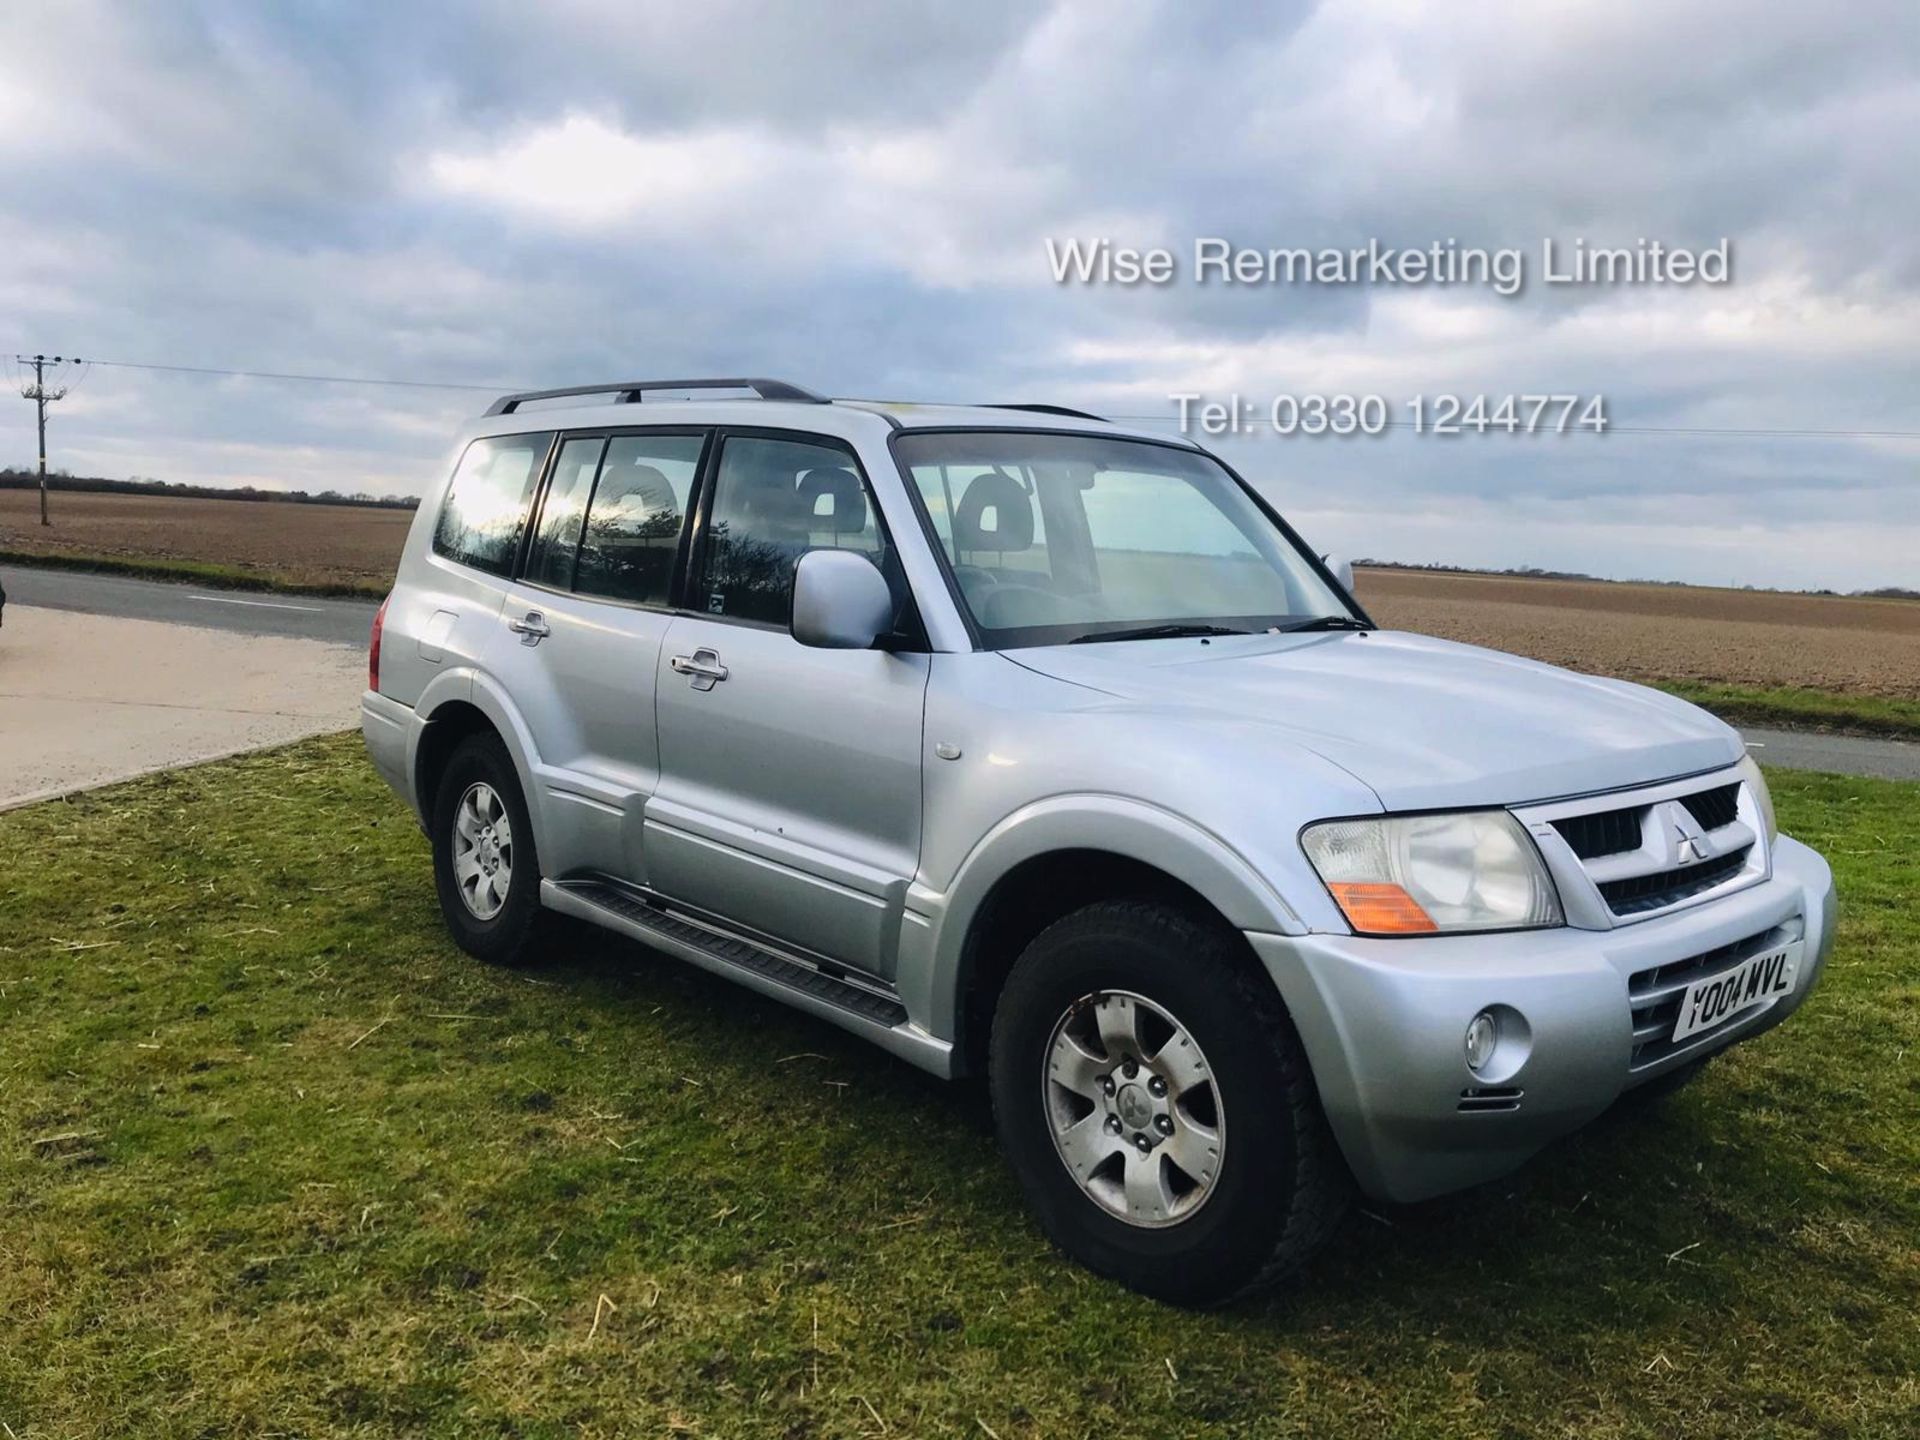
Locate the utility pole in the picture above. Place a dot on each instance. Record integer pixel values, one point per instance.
(43, 397)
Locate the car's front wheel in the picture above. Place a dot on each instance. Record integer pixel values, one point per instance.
(484, 862)
(1158, 1108)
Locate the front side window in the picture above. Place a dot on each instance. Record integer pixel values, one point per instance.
(639, 507)
(773, 501)
(1053, 538)
(485, 511)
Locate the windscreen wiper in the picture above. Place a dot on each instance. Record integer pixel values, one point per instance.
(1327, 622)
(1155, 632)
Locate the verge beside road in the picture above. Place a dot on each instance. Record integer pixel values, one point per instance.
(202, 572)
(1824, 711)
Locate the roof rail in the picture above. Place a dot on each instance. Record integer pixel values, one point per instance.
(630, 392)
(1052, 410)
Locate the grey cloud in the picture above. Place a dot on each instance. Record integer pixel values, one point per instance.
(237, 185)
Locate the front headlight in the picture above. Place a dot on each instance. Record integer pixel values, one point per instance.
(1762, 797)
(1417, 874)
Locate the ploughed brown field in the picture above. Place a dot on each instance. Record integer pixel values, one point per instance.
(1665, 632)
(298, 544)
(1642, 632)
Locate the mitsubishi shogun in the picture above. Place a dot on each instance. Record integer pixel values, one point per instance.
(1028, 745)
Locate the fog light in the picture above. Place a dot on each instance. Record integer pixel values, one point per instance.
(1483, 1034)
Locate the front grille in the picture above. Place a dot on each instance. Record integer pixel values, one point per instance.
(1637, 894)
(1632, 855)
(1655, 994)
(1712, 809)
(1606, 832)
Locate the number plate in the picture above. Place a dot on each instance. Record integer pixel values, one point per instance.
(1753, 981)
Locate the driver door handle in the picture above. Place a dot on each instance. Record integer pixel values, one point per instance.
(703, 667)
(532, 630)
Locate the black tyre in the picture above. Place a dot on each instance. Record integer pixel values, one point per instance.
(485, 865)
(1158, 1109)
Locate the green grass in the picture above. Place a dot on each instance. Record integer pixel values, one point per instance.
(275, 1159)
(1799, 709)
(202, 572)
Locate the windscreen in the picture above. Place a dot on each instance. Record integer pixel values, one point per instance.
(1054, 538)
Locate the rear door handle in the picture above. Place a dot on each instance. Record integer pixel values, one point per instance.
(532, 630)
(703, 667)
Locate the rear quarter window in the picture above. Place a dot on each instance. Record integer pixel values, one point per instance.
(485, 511)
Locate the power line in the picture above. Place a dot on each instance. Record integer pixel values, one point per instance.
(1736, 432)
(314, 379)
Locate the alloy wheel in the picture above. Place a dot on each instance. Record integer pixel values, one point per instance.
(482, 850)
(1133, 1109)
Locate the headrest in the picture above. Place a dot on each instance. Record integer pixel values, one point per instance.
(994, 514)
(646, 484)
(766, 500)
(846, 512)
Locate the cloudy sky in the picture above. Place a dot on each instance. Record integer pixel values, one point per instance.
(858, 197)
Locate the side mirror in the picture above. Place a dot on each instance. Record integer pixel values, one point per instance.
(840, 601)
(1342, 569)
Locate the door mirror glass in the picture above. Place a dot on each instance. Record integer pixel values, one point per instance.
(840, 601)
(1342, 569)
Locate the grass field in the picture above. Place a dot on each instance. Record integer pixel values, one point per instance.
(275, 1159)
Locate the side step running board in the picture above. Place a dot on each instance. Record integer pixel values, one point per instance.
(878, 1017)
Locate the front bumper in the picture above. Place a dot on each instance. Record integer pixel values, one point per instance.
(1383, 1023)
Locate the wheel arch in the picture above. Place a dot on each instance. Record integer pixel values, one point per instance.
(440, 736)
(1049, 860)
(456, 708)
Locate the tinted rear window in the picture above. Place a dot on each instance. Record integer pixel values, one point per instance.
(639, 508)
(486, 506)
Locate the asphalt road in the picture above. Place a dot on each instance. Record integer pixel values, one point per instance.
(346, 622)
(1842, 754)
(343, 622)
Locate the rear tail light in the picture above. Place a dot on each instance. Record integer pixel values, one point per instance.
(373, 645)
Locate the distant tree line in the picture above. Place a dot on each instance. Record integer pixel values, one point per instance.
(138, 485)
(1530, 572)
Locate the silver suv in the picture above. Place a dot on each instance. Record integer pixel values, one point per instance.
(1028, 745)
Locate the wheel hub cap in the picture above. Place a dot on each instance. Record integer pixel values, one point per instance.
(482, 850)
(1136, 1109)
(1132, 1107)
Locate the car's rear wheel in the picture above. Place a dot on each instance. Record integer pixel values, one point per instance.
(485, 866)
(1158, 1108)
